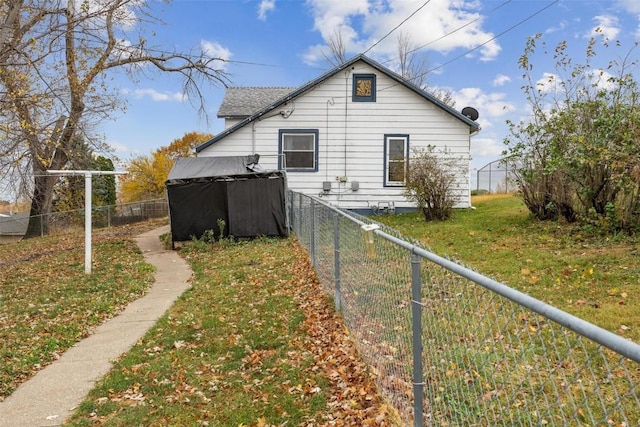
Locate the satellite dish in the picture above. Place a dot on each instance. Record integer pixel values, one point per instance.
(470, 113)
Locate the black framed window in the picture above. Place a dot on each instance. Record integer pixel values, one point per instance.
(396, 160)
(364, 88)
(298, 150)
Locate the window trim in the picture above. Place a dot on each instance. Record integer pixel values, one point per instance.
(281, 158)
(387, 138)
(356, 98)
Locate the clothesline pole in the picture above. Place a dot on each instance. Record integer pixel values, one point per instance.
(88, 175)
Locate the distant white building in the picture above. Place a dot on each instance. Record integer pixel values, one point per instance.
(13, 226)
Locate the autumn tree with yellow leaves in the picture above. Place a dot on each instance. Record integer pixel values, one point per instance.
(147, 174)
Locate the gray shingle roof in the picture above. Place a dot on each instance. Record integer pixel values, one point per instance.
(241, 102)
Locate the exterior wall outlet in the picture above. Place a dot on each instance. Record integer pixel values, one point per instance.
(342, 179)
(326, 186)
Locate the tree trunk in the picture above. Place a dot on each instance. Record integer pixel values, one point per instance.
(40, 206)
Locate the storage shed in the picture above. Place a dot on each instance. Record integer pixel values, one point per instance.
(203, 191)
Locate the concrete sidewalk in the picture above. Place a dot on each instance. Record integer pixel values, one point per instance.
(50, 397)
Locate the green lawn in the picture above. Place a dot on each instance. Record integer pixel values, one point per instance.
(48, 303)
(594, 277)
(254, 341)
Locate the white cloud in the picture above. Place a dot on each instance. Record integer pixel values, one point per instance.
(265, 7)
(549, 83)
(491, 106)
(215, 50)
(632, 6)
(501, 80)
(369, 21)
(561, 26)
(155, 95)
(602, 79)
(486, 147)
(332, 18)
(607, 26)
(118, 147)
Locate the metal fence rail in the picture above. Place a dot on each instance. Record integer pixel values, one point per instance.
(102, 216)
(451, 347)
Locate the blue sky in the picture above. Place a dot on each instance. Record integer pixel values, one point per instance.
(471, 47)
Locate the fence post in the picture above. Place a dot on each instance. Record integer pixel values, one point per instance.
(312, 234)
(299, 224)
(416, 314)
(336, 260)
(295, 213)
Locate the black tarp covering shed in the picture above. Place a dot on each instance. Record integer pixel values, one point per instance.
(204, 190)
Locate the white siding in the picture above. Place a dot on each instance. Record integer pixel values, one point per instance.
(329, 109)
(231, 122)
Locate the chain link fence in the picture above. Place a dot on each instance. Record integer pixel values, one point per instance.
(14, 226)
(450, 347)
(498, 176)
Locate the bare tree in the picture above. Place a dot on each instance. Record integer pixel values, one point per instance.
(337, 50)
(410, 66)
(56, 58)
(414, 67)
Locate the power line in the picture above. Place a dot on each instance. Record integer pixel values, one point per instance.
(484, 43)
(397, 26)
(494, 37)
(452, 32)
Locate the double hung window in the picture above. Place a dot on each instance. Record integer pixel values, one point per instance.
(396, 160)
(299, 150)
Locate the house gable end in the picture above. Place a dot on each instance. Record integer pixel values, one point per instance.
(473, 126)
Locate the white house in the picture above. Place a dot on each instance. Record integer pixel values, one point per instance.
(345, 136)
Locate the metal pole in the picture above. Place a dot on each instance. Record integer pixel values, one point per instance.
(312, 234)
(299, 223)
(87, 223)
(490, 176)
(336, 260)
(87, 207)
(416, 313)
